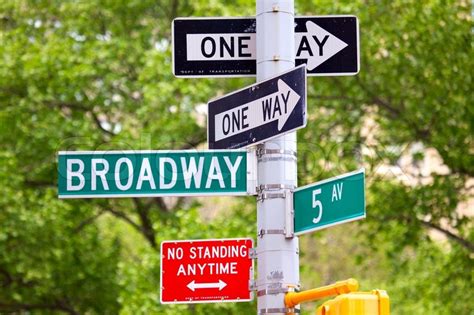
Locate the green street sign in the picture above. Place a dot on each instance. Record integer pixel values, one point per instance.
(329, 202)
(99, 174)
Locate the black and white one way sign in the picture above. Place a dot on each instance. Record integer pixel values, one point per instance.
(226, 47)
(258, 112)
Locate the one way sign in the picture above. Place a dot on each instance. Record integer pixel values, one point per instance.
(226, 47)
(258, 112)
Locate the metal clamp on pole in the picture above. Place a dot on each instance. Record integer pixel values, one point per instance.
(263, 232)
(272, 291)
(294, 298)
(275, 155)
(253, 253)
(267, 187)
(261, 152)
(252, 285)
(262, 197)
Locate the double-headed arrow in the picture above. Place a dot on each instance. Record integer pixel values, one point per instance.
(275, 106)
(211, 285)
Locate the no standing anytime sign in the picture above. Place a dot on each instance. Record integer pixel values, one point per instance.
(200, 271)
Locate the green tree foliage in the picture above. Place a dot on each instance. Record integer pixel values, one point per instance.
(96, 75)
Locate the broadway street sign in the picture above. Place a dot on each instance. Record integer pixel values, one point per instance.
(258, 112)
(204, 271)
(226, 47)
(329, 202)
(99, 174)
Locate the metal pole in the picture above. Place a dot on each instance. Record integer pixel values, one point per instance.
(277, 250)
(340, 287)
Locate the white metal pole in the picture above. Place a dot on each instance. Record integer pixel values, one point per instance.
(277, 254)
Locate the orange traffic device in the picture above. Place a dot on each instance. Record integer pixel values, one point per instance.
(294, 298)
(375, 302)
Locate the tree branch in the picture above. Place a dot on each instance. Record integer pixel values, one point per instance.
(6, 275)
(65, 306)
(83, 108)
(38, 183)
(10, 279)
(195, 141)
(58, 306)
(15, 307)
(161, 204)
(146, 227)
(70, 105)
(465, 243)
(146, 224)
(124, 217)
(174, 9)
(87, 221)
(404, 219)
(99, 124)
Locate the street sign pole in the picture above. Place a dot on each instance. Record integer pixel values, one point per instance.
(277, 248)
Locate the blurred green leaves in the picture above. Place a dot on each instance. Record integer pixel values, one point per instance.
(96, 75)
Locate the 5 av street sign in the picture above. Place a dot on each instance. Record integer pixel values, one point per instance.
(258, 112)
(226, 47)
(99, 174)
(204, 271)
(329, 202)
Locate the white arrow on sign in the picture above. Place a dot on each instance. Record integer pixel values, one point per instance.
(275, 106)
(218, 285)
(317, 45)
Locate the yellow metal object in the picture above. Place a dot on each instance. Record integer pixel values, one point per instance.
(357, 303)
(294, 298)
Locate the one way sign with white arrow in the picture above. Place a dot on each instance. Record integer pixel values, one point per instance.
(329, 45)
(226, 47)
(258, 112)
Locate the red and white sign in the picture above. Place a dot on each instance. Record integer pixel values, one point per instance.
(203, 271)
